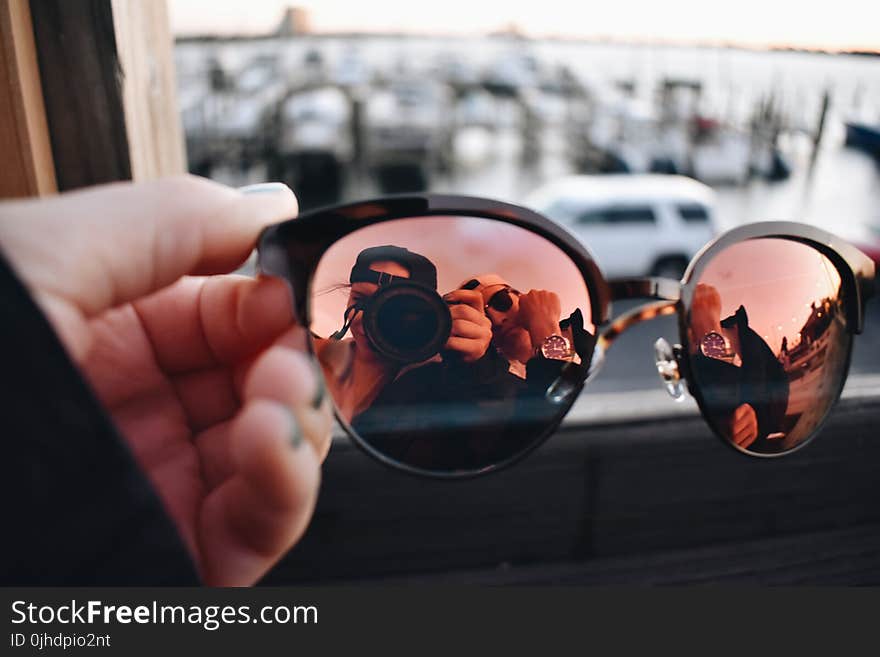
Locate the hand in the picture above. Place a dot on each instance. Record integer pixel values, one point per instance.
(705, 314)
(471, 329)
(539, 312)
(744, 425)
(204, 376)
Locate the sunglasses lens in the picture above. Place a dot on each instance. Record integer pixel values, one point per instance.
(501, 301)
(421, 378)
(769, 343)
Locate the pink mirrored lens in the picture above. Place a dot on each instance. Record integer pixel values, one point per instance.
(418, 362)
(768, 342)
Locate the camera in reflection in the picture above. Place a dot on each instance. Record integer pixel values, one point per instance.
(406, 322)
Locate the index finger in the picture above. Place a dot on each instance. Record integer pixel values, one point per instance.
(201, 322)
(470, 297)
(742, 411)
(141, 236)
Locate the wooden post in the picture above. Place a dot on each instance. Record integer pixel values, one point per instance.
(108, 83)
(820, 129)
(25, 148)
(149, 93)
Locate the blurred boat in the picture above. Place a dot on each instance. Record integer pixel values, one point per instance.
(724, 155)
(457, 72)
(226, 122)
(477, 121)
(477, 108)
(864, 136)
(351, 70)
(313, 143)
(408, 131)
(510, 73)
(617, 132)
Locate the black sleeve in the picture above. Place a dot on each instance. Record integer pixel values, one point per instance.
(541, 373)
(768, 387)
(77, 510)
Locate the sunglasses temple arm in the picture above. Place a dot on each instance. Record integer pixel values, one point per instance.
(869, 287)
(666, 289)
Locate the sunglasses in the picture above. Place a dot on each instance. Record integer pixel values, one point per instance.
(502, 300)
(766, 313)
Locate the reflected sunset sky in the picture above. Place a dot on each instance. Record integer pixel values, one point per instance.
(776, 280)
(460, 248)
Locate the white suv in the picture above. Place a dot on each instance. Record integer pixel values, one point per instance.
(634, 225)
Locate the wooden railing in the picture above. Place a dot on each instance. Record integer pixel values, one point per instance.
(656, 500)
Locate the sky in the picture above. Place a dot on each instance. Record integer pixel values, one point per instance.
(838, 25)
(776, 281)
(460, 248)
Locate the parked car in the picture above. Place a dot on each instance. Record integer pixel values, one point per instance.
(635, 225)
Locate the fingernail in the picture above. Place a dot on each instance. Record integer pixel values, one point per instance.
(320, 386)
(296, 434)
(264, 188)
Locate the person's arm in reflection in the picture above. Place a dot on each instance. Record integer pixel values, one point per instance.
(425, 417)
(539, 314)
(356, 373)
(160, 419)
(737, 370)
(361, 374)
(465, 362)
(765, 385)
(546, 343)
(471, 330)
(715, 355)
(528, 333)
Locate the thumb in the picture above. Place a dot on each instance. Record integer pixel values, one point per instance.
(104, 246)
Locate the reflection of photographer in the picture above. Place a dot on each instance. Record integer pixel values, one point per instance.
(397, 321)
(526, 327)
(744, 385)
(467, 406)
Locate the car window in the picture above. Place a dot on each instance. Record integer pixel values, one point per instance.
(635, 214)
(693, 213)
(592, 217)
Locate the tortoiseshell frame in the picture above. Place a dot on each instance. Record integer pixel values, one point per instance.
(292, 249)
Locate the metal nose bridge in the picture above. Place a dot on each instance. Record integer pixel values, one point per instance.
(667, 290)
(640, 314)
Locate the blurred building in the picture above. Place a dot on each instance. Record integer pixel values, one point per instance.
(296, 21)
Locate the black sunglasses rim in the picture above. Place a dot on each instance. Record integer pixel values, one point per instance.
(292, 250)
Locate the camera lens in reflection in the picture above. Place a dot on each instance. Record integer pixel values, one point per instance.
(407, 323)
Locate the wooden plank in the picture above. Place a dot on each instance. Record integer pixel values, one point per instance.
(149, 89)
(108, 80)
(79, 67)
(839, 557)
(623, 493)
(28, 169)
